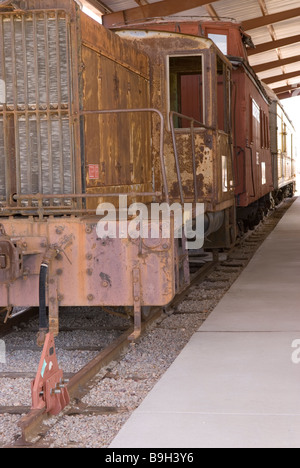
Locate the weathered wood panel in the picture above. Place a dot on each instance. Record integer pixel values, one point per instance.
(115, 76)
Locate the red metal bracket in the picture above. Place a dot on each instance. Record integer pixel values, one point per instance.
(48, 388)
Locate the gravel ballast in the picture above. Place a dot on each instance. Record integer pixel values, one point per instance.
(124, 384)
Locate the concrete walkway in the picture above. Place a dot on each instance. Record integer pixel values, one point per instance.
(235, 385)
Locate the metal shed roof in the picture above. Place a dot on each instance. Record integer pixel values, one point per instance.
(274, 26)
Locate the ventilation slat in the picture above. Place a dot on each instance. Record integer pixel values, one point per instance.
(34, 74)
(2, 162)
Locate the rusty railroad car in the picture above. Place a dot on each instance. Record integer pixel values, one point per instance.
(283, 149)
(263, 153)
(80, 124)
(88, 115)
(57, 165)
(253, 131)
(191, 85)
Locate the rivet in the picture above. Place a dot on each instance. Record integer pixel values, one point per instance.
(90, 297)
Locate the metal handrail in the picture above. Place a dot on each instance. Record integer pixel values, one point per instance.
(41, 197)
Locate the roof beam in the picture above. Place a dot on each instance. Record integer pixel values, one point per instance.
(285, 89)
(270, 27)
(287, 95)
(283, 77)
(275, 64)
(212, 12)
(141, 2)
(270, 19)
(274, 45)
(164, 8)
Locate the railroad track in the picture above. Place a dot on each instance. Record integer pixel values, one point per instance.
(114, 381)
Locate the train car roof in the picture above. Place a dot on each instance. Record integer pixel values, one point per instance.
(272, 24)
(200, 42)
(274, 98)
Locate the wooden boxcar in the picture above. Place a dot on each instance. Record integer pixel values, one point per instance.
(283, 149)
(191, 85)
(251, 126)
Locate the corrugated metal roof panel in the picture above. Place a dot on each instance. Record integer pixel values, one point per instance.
(263, 58)
(260, 35)
(242, 10)
(268, 73)
(238, 10)
(276, 6)
(287, 28)
(294, 67)
(118, 5)
(281, 84)
(285, 52)
(235, 9)
(290, 51)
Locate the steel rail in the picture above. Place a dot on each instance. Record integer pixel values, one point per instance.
(32, 422)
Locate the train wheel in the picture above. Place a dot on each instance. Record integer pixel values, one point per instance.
(240, 228)
(291, 191)
(246, 225)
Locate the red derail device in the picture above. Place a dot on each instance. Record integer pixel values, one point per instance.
(48, 388)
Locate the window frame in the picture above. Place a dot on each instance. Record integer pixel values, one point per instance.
(214, 32)
(227, 96)
(255, 132)
(204, 81)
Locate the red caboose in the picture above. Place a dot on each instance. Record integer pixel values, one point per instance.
(250, 122)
